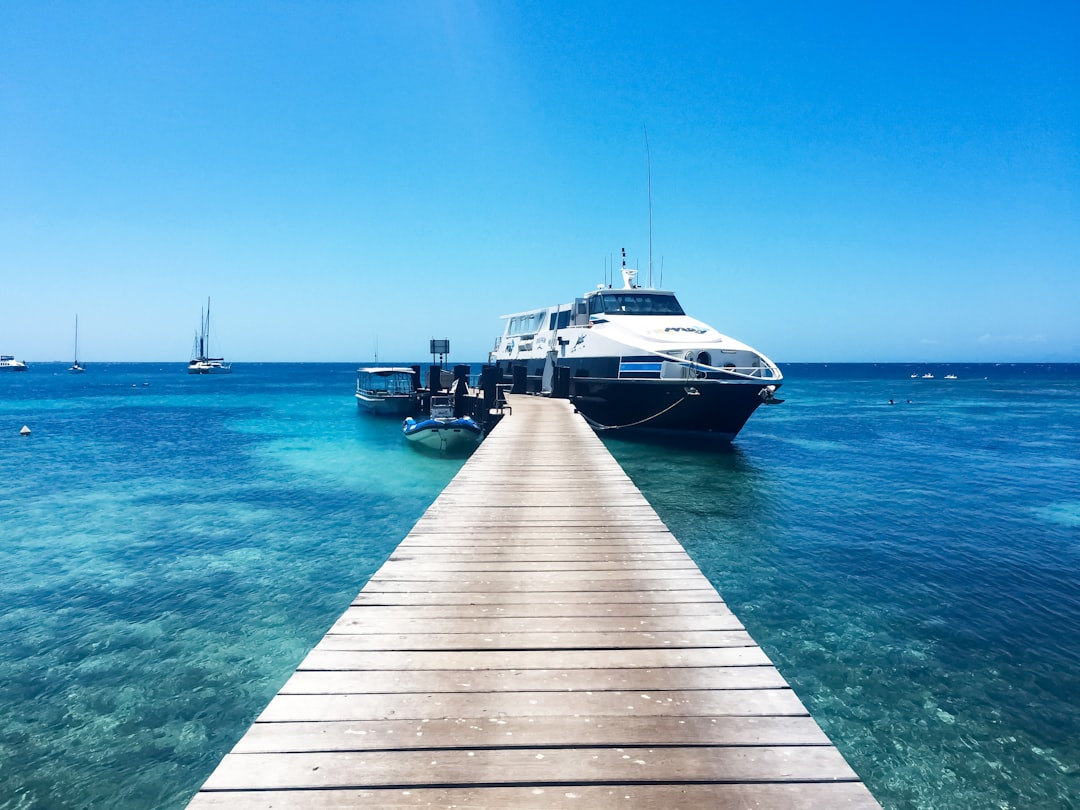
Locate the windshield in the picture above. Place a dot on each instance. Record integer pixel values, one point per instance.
(634, 303)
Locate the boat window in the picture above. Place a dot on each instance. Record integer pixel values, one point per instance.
(526, 324)
(560, 319)
(634, 303)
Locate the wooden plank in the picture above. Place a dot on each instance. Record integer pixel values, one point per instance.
(483, 540)
(532, 584)
(517, 573)
(682, 703)
(417, 566)
(326, 658)
(469, 733)
(316, 682)
(528, 767)
(725, 796)
(581, 640)
(540, 609)
(375, 621)
(371, 595)
(464, 554)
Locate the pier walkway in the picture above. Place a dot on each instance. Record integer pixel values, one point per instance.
(539, 640)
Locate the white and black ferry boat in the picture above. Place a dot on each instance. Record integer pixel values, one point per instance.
(632, 360)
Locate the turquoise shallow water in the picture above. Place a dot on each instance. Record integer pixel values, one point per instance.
(171, 546)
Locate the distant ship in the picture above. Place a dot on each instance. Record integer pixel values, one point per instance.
(201, 362)
(9, 363)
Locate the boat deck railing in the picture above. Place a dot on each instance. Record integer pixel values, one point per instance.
(760, 372)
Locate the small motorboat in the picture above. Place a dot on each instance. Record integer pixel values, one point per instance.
(386, 391)
(9, 363)
(442, 430)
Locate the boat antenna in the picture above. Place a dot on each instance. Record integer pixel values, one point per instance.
(648, 161)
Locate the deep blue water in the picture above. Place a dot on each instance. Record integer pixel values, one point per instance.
(171, 546)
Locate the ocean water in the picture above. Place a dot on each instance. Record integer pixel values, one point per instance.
(171, 546)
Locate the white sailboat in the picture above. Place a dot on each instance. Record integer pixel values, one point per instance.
(201, 362)
(76, 368)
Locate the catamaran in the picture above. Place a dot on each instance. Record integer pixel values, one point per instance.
(201, 362)
(637, 363)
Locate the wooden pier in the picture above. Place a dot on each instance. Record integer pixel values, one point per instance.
(539, 640)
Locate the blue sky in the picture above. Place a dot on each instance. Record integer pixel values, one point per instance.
(830, 181)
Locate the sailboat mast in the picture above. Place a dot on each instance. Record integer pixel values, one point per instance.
(648, 158)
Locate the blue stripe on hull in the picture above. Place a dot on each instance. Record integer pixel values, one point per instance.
(649, 369)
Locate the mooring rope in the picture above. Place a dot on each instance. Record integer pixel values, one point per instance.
(598, 426)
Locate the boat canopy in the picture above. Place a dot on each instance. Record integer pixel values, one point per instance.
(388, 380)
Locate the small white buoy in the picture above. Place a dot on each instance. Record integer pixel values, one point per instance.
(25, 431)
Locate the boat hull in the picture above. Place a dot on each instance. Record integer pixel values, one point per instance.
(718, 408)
(387, 391)
(201, 367)
(444, 435)
(398, 405)
(714, 407)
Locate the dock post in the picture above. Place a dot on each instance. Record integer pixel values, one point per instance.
(489, 378)
(434, 379)
(520, 380)
(461, 391)
(561, 387)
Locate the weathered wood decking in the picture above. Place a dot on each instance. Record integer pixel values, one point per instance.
(539, 640)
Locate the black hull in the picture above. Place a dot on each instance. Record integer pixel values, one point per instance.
(397, 406)
(713, 407)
